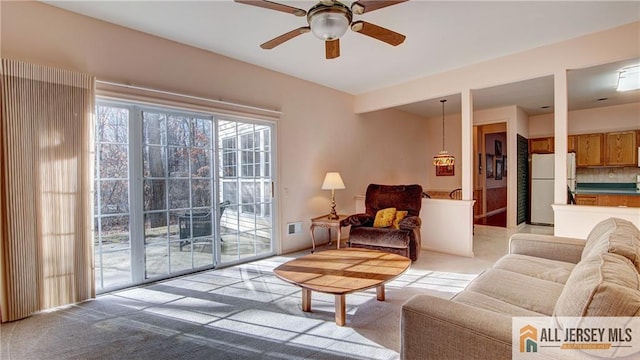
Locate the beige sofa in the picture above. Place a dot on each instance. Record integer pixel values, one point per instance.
(541, 276)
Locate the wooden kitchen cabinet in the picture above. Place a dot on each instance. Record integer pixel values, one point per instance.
(608, 200)
(621, 148)
(618, 200)
(571, 143)
(612, 200)
(582, 199)
(541, 145)
(589, 150)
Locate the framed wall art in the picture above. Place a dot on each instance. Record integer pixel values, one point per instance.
(504, 166)
(489, 166)
(445, 170)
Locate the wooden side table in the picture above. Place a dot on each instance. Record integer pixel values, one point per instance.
(326, 223)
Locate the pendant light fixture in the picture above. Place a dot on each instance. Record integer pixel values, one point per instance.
(443, 158)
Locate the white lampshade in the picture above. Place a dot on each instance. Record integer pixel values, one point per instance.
(329, 25)
(332, 181)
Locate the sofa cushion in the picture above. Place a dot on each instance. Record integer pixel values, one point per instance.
(541, 268)
(616, 236)
(399, 216)
(482, 301)
(384, 217)
(382, 237)
(602, 285)
(527, 292)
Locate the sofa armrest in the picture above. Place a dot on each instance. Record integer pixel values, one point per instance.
(436, 328)
(358, 220)
(547, 246)
(410, 223)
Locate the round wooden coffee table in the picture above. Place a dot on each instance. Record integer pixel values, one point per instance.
(341, 272)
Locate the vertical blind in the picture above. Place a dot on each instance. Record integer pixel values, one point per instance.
(46, 255)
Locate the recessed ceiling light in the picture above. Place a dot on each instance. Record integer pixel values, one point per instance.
(629, 78)
(602, 99)
(545, 107)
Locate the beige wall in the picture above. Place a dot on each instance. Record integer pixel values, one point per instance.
(317, 132)
(602, 119)
(621, 43)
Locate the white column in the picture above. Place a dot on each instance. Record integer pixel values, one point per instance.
(467, 144)
(561, 111)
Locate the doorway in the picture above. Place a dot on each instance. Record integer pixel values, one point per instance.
(490, 177)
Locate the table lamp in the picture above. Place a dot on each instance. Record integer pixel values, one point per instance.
(333, 181)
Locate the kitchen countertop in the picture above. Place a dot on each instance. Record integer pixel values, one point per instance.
(607, 188)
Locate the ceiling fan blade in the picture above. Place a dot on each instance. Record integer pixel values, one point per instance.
(378, 32)
(274, 6)
(362, 6)
(332, 49)
(284, 37)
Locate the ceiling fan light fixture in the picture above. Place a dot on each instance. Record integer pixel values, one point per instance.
(329, 22)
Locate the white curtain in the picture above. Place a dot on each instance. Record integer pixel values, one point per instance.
(46, 249)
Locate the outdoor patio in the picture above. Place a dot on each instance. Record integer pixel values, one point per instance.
(167, 253)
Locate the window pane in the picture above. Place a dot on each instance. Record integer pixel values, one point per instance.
(114, 233)
(203, 254)
(248, 162)
(155, 197)
(249, 191)
(178, 193)
(229, 157)
(202, 133)
(229, 192)
(178, 130)
(112, 124)
(156, 260)
(201, 193)
(154, 128)
(155, 228)
(114, 161)
(201, 163)
(178, 162)
(114, 196)
(153, 161)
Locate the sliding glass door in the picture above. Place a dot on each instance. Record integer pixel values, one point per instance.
(246, 190)
(162, 209)
(177, 192)
(112, 216)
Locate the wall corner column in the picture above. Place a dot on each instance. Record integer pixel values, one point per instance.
(467, 144)
(560, 124)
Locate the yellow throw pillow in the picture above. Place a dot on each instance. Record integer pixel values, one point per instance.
(384, 217)
(399, 216)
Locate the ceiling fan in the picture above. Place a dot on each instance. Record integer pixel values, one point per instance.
(329, 19)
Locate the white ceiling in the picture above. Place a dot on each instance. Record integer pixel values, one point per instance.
(441, 35)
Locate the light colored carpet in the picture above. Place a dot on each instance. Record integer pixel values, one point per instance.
(241, 312)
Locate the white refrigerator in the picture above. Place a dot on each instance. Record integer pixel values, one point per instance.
(542, 177)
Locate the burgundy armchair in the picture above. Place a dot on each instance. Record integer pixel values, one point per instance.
(404, 241)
